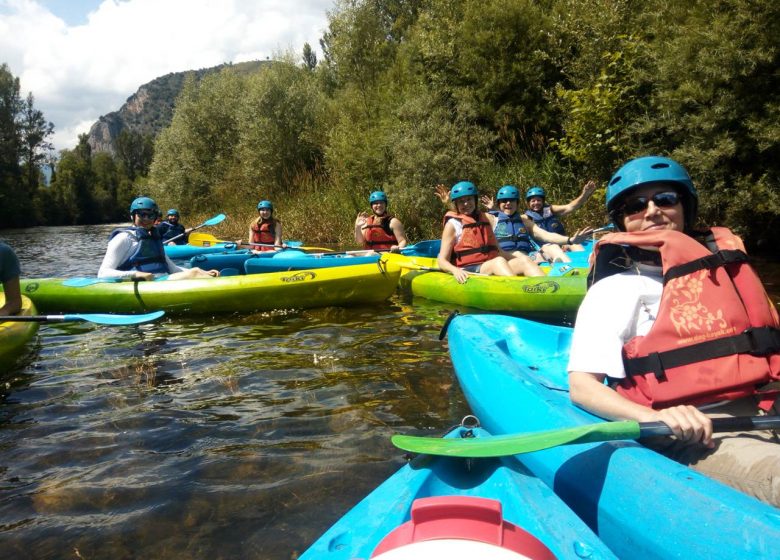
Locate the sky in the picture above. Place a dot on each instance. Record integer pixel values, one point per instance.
(83, 58)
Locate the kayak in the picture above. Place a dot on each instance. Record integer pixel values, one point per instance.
(224, 260)
(558, 293)
(641, 504)
(183, 252)
(434, 493)
(14, 335)
(341, 286)
(298, 260)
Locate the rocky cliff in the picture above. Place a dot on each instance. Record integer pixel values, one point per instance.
(150, 109)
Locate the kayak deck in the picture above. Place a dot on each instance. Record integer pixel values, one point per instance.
(641, 504)
(525, 501)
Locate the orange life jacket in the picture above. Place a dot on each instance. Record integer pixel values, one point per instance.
(477, 244)
(716, 335)
(378, 234)
(265, 233)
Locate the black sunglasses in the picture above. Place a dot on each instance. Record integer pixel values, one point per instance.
(146, 215)
(640, 203)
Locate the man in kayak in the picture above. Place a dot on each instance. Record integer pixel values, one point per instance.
(679, 324)
(523, 229)
(137, 252)
(380, 231)
(171, 228)
(9, 276)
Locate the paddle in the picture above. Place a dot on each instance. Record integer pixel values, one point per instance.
(218, 219)
(99, 318)
(89, 281)
(513, 444)
(208, 240)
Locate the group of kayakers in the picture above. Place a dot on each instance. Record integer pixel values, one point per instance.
(676, 326)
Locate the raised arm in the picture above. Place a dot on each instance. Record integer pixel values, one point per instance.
(562, 209)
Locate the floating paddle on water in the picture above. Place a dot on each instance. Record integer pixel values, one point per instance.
(514, 444)
(99, 318)
(218, 219)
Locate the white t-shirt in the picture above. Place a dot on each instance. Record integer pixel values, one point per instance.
(614, 310)
(120, 248)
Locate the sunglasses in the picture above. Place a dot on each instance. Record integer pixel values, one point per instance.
(146, 215)
(640, 203)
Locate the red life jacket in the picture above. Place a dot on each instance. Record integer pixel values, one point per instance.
(477, 244)
(378, 234)
(265, 233)
(716, 336)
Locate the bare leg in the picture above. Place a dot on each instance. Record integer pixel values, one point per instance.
(522, 265)
(554, 253)
(497, 266)
(190, 273)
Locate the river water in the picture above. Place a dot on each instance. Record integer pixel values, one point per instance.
(241, 436)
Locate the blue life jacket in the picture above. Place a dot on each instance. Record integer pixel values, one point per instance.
(547, 220)
(149, 256)
(511, 233)
(168, 231)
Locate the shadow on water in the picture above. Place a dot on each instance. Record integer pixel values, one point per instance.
(225, 437)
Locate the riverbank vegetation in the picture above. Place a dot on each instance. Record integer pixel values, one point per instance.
(412, 93)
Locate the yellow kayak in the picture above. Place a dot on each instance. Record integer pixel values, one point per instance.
(14, 335)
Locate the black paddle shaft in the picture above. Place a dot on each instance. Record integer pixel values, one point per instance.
(736, 424)
(26, 318)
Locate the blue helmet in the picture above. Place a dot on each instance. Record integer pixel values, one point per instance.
(508, 192)
(144, 203)
(651, 169)
(464, 188)
(265, 204)
(534, 191)
(377, 196)
(172, 212)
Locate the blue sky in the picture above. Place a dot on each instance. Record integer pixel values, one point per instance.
(72, 12)
(82, 59)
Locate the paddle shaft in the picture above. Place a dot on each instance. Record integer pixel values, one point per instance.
(210, 222)
(735, 424)
(99, 318)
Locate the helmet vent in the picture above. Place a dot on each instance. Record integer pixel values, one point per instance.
(615, 179)
(659, 166)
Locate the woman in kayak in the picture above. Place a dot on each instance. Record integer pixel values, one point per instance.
(265, 231)
(679, 324)
(9, 276)
(380, 231)
(468, 244)
(521, 239)
(137, 252)
(546, 216)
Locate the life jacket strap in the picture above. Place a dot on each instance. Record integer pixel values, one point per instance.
(715, 260)
(483, 249)
(756, 341)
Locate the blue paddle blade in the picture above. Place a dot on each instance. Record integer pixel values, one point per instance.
(218, 219)
(111, 319)
(90, 281)
(294, 244)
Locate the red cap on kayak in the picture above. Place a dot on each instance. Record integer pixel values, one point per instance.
(463, 525)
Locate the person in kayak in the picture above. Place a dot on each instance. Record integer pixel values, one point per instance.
(679, 325)
(137, 252)
(171, 228)
(9, 277)
(547, 216)
(380, 231)
(468, 244)
(526, 230)
(265, 231)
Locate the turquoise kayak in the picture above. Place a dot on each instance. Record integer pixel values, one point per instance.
(185, 252)
(435, 494)
(298, 260)
(641, 504)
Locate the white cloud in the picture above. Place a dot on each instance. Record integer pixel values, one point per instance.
(78, 73)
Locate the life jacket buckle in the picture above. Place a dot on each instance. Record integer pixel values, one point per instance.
(655, 365)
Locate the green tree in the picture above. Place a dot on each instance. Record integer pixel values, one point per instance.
(34, 131)
(10, 172)
(73, 190)
(309, 57)
(135, 151)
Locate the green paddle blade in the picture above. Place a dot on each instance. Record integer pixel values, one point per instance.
(500, 446)
(111, 319)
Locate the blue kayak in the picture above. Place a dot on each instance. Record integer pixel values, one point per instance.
(298, 260)
(181, 252)
(434, 493)
(641, 504)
